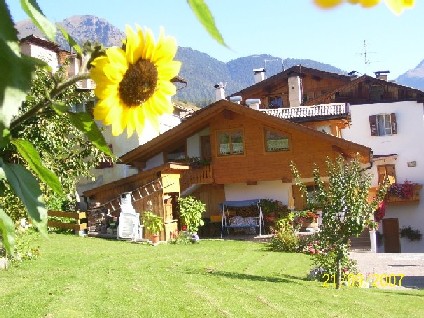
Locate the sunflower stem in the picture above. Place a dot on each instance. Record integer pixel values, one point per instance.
(48, 101)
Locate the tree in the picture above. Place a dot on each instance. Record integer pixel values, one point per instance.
(62, 148)
(345, 207)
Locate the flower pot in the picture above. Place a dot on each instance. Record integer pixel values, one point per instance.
(155, 238)
(309, 222)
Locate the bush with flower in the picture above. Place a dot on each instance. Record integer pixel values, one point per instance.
(402, 190)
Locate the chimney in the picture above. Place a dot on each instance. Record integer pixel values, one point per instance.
(295, 90)
(259, 74)
(219, 91)
(253, 103)
(235, 99)
(381, 75)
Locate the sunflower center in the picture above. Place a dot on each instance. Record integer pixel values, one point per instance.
(139, 83)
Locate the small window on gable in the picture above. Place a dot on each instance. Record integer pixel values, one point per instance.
(386, 171)
(230, 142)
(275, 141)
(383, 124)
(275, 102)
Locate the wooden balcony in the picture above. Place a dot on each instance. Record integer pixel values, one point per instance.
(198, 175)
(404, 193)
(323, 110)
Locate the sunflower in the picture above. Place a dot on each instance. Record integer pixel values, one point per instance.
(133, 83)
(397, 6)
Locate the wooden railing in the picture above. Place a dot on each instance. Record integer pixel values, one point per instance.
(79, 217)
(202, 175)
(309, 111)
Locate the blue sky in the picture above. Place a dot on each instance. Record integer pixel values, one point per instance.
(285, 29)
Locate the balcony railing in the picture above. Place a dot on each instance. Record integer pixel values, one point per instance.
(332, 109)
(201, 175)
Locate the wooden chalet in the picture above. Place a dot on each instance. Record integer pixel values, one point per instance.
(226, 151)
(321, 100)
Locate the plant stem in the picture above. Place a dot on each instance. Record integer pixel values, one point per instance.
(47, 102)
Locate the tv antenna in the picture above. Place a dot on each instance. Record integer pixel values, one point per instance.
(365, 54)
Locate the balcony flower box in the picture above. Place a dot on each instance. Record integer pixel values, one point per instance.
(403, 193)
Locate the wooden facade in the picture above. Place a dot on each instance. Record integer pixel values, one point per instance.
(155, 189)
(306, 147)
(315, 83)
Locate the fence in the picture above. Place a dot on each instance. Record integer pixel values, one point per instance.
(79, 217)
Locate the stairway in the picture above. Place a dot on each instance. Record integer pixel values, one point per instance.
(362, 242)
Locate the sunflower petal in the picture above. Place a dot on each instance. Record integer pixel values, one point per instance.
(397, 6)
(168, 70)
(110, 71)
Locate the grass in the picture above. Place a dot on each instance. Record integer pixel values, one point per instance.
(88, 277)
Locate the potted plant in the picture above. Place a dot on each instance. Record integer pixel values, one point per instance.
(191, 211)
(272, 209)
(307, 219)
(152, 223)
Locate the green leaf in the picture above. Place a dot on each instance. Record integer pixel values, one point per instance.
(70, 40)
(7, 230)
(205, 17)
(26, 187)
(15, 79)
(31, 156)
(86, 124)
(34, 12)
(59, 107)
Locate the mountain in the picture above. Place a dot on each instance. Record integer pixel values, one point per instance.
(413, 78)
(200, 70)
(82, 28)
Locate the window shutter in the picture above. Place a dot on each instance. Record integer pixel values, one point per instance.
(373, 125)
(394, 123)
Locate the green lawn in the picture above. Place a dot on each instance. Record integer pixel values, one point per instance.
(88, 277)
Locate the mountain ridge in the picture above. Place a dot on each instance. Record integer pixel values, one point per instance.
(200, 70)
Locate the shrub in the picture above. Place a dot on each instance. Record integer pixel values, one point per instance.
(25, 247)
(285, 241)
(325, 261)
(191, 211)
(185, 237)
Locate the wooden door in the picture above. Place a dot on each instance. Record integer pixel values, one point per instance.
(205, 147)
(391, 235)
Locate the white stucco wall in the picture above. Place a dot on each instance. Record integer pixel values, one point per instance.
(46, 55)
(263, 190)
(408, 144)
(193, 143)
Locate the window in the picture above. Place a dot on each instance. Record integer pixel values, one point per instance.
(386, 171)
(275, 141)
(275, 102)
(230, 143)
(383, 124)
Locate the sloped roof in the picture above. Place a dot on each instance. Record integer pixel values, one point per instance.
(364, 78)
(200, 120)
(41, 42)
(299, 70)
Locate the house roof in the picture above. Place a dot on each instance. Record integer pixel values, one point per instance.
(41, 42)
(298, 70)
(201, 119)
(362, 79)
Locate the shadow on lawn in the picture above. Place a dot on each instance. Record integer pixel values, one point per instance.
(234, 275)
